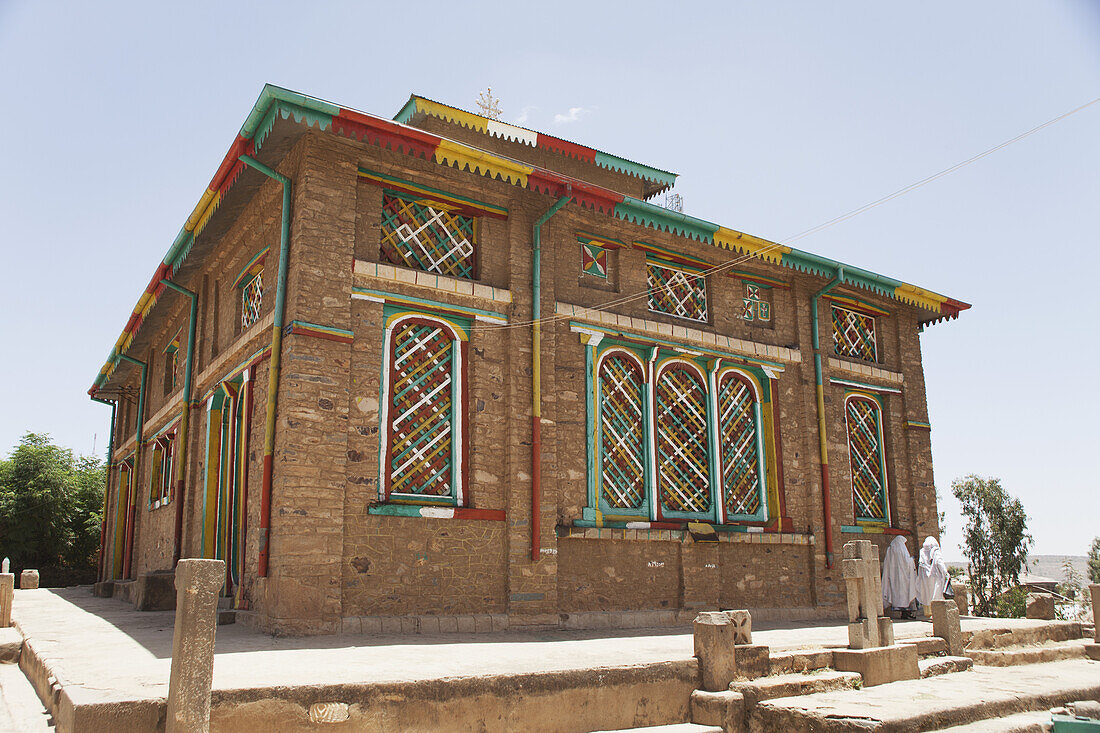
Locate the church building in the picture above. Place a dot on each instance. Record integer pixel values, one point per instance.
(439, 372)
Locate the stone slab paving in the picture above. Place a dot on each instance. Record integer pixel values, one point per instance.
(101, 649)
(934, 703)
(20, 709)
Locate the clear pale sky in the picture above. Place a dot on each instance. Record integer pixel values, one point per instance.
(778, 116)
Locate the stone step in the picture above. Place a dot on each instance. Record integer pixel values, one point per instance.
(1010, 656)
(801, 660)
(1031, 722)
(933, 666)
(934, 703)
(1022, 635)
(793, 684)
(671, 728)
(226, 616)
(11, 645)
(927, 645)
(20, 709)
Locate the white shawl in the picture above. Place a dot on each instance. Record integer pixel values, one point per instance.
(931, 573)
(899, 575)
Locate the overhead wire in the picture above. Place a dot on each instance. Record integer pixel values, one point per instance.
(807, 232)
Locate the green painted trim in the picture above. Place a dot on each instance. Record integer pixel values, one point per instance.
(399, 298)
(589, 238)
(406, 113)
(613, 524)
(641, 170)
(864, 385)
(646, 214)
(502, 210)
(326, 329)
(251, 263)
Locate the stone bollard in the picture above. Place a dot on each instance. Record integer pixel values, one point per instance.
(1040, 606)
(197, 585)
(7, 593)
(962, 598)
(1095, 591)
(945, 624)
(715, 639)
(28, 580)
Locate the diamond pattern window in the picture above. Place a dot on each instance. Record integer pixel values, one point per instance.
(621, 432)
(854, 335)
(677, 291)
(594, 260)
(252, 299)
(429, 236)
(742, 468)
(866, 457)
(425, 388)
(683, 449)
(754, 307)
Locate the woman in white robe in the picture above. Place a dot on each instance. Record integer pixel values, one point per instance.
(931, 573)
(899, 576)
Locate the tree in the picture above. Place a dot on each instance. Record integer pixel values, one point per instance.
(50, 505)
(1094, 561)
(995, 537)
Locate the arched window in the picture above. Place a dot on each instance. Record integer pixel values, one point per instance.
(866, 456)
(683, 478)
(621, 432)
(739, 436)
(424, 390)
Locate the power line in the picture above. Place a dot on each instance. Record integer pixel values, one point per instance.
(812, 230)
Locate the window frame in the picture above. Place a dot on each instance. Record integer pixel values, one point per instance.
(692, 275)
(884, 490)
(759, 428)
(643, 509)
(662, 368)
(472, 260)
(458, 331)
(837, 344)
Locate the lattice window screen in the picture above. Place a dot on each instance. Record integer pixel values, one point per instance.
(427, 236)
(677, 292)
(683, 479)
(865, 453)
(622, 437)
(422, 421)
(854, 335)
(252, 299)
(741, 480)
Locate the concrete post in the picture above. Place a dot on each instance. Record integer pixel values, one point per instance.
(945, 624)
(28, 579)
(1095, 591)
(7, 593)
(715, 637)
(197, 585)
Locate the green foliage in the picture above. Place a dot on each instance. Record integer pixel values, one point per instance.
(1094, 561)
(1072, 585)
(50, 506)
(995, 539)
(1012, 603)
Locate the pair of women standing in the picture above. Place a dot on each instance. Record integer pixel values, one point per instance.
(903, 580)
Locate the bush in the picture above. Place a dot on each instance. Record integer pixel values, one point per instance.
(1012, 603)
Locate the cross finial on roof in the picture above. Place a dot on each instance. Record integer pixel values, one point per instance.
(489, 105)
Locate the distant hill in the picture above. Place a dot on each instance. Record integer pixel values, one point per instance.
(1050, 566)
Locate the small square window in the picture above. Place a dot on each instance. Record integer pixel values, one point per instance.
(854, 335)
(677, 291)
(594, 260)
(252, 299)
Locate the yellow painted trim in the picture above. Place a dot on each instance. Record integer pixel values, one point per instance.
(755, 246)
(449, 153)
(450, 114)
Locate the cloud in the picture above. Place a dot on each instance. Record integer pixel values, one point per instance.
(575, 114)
(521, 118)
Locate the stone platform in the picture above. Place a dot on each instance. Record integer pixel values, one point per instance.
(110, 668)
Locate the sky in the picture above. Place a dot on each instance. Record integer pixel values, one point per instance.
(778, 116)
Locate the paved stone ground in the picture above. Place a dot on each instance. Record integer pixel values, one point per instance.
(20, 709)
(102, 649)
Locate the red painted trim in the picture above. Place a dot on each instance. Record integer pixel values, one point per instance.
(557, 145)
(299, 331)
(536, 485)
(249, 405)
(265, 518)
(128, 555)
(828, 512)
(470, 210)
(895, 530)
(496, 515)
(384, 133)
(464, 466)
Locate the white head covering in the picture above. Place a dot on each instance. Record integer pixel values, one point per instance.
(931, 573)
(899, 575)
